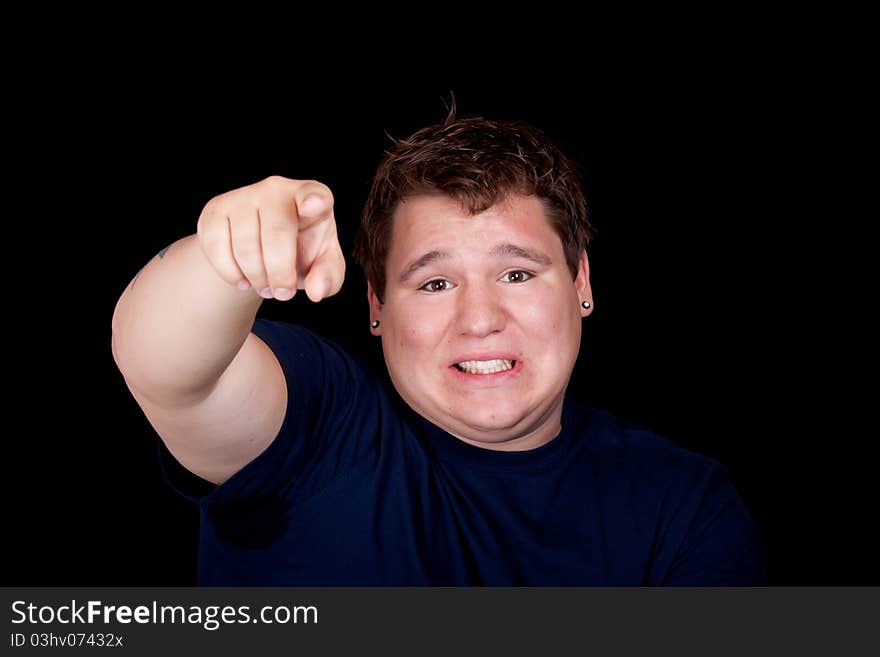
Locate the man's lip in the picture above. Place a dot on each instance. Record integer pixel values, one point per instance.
(489, 356)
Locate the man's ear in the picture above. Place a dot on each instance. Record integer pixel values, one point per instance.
(375, 306)
(582, 283)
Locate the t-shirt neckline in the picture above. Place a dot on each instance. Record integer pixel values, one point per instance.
(450, 448)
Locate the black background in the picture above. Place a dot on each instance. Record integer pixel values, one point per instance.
(709, 324)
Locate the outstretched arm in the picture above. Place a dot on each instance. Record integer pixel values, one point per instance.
(181, 330)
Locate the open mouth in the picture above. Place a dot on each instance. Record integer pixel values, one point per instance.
(485, 366)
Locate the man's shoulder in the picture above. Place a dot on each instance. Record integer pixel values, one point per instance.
(620, 444)
(292, 343)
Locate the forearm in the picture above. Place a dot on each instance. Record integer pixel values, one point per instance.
(178, 325)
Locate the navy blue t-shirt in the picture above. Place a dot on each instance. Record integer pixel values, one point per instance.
(358, 489)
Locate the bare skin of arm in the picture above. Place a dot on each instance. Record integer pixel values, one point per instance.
(182, 339)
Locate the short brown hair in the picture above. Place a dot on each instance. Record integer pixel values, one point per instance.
(477, 162)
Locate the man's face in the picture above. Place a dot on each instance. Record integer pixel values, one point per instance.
(493, 291)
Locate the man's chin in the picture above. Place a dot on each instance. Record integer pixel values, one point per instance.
(492, 426)
(482, 423)
(504, 426)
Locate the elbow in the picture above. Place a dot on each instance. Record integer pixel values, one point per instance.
(115, 334)
(113, 349)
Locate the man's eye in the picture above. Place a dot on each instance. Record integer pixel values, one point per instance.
(517, 276)
(437, 285)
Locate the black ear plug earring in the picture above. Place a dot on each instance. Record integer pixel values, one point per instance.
(585, 304)
(375, 323)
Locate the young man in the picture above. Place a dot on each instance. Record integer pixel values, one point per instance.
(471, 467)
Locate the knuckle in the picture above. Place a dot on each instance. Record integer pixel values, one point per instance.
(272, 185)
(273, 180)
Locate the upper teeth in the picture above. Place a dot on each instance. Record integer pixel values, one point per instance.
(486, 366)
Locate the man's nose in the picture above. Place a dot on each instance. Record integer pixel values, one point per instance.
(480, 310)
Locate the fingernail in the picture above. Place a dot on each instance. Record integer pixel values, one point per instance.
(266, 293)
(243, 285)
(283, 293)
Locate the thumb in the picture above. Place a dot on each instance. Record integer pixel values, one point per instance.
(313, 206)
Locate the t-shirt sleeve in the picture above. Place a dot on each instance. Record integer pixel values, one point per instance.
(721, 544)
(327, 432)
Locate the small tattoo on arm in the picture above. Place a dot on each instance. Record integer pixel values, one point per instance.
(161, 255)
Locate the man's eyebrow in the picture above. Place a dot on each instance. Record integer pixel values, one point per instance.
(502, 250)
(422, 261)
(515, 251)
